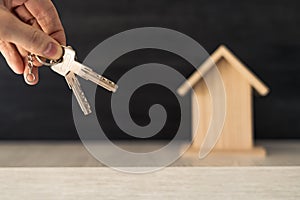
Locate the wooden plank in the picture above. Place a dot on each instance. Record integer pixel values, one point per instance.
(170, 183)
(237, 131)
(73, 154)
(256, 152)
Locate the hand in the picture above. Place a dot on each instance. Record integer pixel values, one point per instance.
(29, 26)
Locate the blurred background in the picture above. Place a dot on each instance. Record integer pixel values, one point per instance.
(263, 34)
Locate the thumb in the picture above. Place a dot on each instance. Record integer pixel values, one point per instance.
(31, 39)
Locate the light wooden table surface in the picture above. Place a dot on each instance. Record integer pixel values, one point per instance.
(73, 154)
(208, 183)
(65, 170)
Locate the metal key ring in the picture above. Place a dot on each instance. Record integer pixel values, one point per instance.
(49, 62)
(32, 76)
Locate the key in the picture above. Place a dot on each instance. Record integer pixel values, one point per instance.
(69, 63)
(74, 85)
(68, 67)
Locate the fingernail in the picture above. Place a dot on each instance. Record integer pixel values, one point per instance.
(53, 51)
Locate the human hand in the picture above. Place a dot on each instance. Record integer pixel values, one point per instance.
(29, 26)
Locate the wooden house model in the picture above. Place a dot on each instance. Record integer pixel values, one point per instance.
(237, 133)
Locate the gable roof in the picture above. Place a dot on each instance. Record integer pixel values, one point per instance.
(223, 52)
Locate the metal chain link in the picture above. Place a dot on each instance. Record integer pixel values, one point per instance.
(30, 65)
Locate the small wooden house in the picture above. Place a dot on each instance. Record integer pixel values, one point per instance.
(239, 82)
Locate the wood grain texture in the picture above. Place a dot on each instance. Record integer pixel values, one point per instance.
(237, 132)
(171, 183)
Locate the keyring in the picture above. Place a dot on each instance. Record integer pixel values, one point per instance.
(32, 76)
(49, 62)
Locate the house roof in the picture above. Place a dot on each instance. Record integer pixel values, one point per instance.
(223, 52)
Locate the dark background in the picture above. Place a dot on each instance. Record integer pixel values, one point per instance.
(264, 34)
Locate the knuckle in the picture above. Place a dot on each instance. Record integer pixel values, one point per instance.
(35, 38)
(45, 14)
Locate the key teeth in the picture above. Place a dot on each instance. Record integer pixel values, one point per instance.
(79, 94)
(87, 112)
(115, 89)
(88, 74)
(87, 105)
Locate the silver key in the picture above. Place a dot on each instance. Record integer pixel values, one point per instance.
(68, 67)
(78, 93)
(70, 64)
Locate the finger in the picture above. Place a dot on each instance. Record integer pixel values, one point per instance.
(37, 26)
(47, 17)
(16, 3)
(6, 3)
(32, 79)
(23, 14)
(23, 53)
(22, 11)
(12, 57)
(31, 39)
